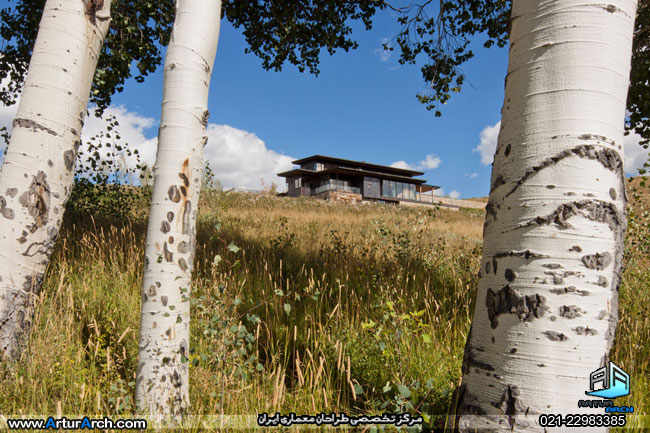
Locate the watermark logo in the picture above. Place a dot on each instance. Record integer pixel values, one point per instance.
(615, 382)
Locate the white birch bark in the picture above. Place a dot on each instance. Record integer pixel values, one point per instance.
(546, 309)
(38, 170)
(162, 375)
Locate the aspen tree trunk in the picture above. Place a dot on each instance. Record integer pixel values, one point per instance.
(38, 170)
(547, 303)
(162, 376)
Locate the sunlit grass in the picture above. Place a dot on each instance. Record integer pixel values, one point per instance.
(308, 307)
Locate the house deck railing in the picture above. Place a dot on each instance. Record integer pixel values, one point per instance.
(328, 187)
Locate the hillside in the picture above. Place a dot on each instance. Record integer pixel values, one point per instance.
(298, 305)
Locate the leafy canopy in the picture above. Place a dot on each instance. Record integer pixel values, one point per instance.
(276, 31)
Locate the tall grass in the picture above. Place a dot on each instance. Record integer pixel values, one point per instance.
(297, 306)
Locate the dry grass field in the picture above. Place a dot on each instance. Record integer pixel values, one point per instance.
(297, 306)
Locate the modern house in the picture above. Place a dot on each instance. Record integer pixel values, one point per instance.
(339, 179)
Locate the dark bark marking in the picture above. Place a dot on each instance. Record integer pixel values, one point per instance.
(170, 239)
(50, 163)
(555, 336)
(597, 261)
(602, 314)
(526, 254)
(34, 126)
(602, 281)
(164, 226)
(510, 402)
(570, 289)
(596, 137)
(170, 216)
(183, 191)
(183, 247)
(553, 318)
(27, 252)
(174, 194)
(609, 158)
(595, 210)
(182, 263)
(205, 117)
(571, 311)
(185, 179)
(611, 9)
(158, 283)
(168, 255)
(33, 285)
(68, 159)
(37, 200)
(488, 267)
(151, 290)
(510, 275)
(497, 183)
(587, 331)
(470, 361)
(575, 248)
(612, 193)
(164, 300)
(8, 213)
(513, 350)
(508, 300)
(92, 6)
(11, 192)
(507, 151)
(154, 325)
(187, 218)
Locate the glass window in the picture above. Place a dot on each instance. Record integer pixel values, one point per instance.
(400, 190)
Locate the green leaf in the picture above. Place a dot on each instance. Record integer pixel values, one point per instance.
(387, 388)
(233, 248)
(287, 309)
(426, 338)
(259, 367)
(404, 391)
(357, 389)
(368, 325)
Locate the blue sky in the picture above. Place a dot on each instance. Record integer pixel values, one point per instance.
(362, 106)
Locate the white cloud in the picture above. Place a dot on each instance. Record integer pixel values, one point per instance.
(429, 162)
(454, 194)
(472, 175)
(440, 192)
(384, 55)
(241, 159)
(401, 164)
(635, 155)
(238, 158)
(488, 144)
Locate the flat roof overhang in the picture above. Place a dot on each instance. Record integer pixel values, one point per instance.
(395, 170)
(355, 172)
